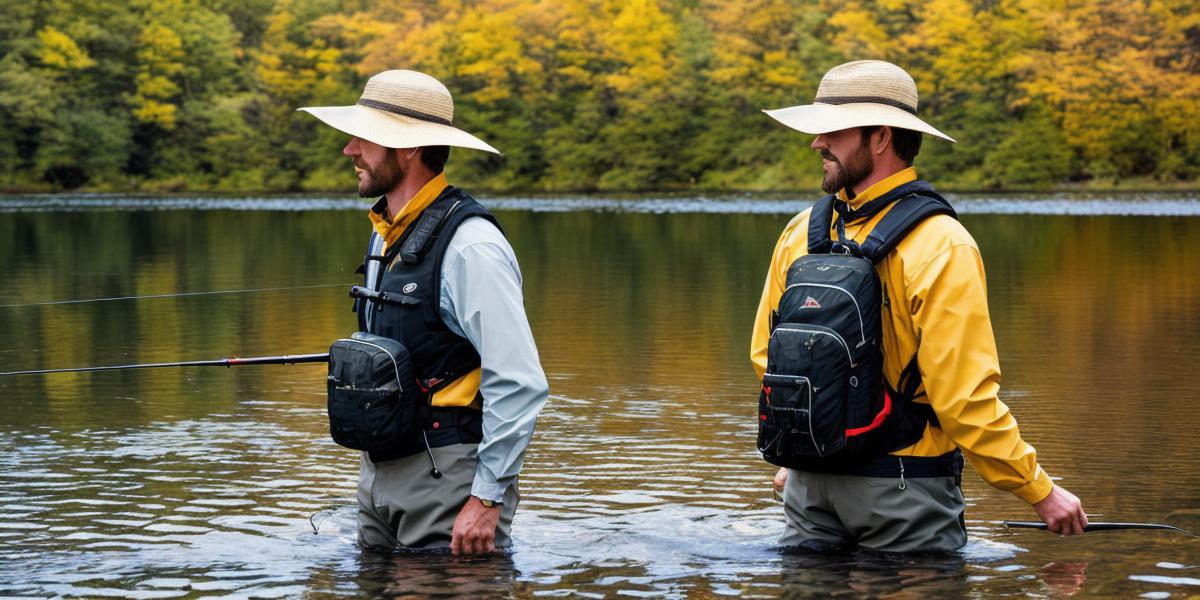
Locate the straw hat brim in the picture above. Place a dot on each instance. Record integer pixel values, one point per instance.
(392, 130)
(820, 118)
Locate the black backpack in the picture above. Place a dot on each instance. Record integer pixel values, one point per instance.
(824, 402)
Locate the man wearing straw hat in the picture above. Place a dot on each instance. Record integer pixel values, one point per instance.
(939, 360)
(461, 316)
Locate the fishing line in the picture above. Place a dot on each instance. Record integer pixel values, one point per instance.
(178, 295)
(233, 361)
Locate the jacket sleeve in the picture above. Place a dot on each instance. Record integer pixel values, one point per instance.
(960, 369)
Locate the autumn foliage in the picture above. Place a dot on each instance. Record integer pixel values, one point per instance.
(590, 94)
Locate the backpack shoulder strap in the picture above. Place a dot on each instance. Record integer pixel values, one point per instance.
(819, 222)
(908, 212)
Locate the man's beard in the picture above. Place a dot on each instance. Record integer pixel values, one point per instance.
(381, 180)
(858, 166)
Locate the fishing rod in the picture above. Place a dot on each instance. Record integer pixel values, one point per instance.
(220, 362)
(1098, 526)
(175, 295)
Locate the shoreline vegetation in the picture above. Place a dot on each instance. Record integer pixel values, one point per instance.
(174, 187)
(171, 189)
(582, 96)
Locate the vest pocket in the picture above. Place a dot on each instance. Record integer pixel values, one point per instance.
(372, 396)
(369, 419)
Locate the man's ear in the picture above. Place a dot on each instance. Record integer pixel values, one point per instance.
(883, 142)
(404, 156)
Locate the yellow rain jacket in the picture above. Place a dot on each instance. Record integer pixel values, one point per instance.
(937, 308)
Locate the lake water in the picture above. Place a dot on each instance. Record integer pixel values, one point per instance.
(642, 479)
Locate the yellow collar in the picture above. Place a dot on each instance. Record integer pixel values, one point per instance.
(880, 188)
(392, 228)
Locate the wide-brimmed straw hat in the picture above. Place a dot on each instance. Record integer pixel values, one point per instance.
(401, 109)
(859, 94)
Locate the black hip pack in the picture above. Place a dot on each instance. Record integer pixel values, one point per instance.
(373, 395)
(824, 403)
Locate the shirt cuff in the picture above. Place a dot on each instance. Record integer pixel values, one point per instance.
(1035, 491)
(490, 491)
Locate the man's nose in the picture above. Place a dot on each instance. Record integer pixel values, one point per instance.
(351, 148)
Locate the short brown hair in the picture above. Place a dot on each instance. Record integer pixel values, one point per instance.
(435, 157)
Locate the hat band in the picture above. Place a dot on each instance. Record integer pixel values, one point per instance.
(872, 99)
(402, 111)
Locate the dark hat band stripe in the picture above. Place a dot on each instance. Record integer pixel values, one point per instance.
(402, 111)
(872, 99)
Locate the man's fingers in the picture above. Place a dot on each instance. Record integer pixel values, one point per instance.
(1080, 520)
(780, 480)
(484, 543)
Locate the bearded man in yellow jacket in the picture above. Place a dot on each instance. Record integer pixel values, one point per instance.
(934, 310)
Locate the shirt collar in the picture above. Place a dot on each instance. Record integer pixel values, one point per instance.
(880, 188)
(392, 227)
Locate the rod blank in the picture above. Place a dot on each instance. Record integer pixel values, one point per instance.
(1098, 526)
(220, 362)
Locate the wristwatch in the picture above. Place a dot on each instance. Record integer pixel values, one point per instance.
(488, 503)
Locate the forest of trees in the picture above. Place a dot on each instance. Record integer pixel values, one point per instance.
(184, 95)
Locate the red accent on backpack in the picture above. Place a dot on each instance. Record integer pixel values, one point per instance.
(879, 418)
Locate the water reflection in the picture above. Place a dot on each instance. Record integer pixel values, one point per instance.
(642, 479)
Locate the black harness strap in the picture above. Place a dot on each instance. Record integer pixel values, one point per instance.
(414, 246)
(915, 202)
(818, 226)
(908, 212)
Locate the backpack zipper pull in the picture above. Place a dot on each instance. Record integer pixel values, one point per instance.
(902, 485)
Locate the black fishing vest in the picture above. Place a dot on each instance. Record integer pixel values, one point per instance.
(411, 272)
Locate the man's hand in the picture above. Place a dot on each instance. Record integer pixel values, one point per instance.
(779, 482)
(1062, 512)
(475, 528)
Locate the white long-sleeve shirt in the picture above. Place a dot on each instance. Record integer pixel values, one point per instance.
(481, 300)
